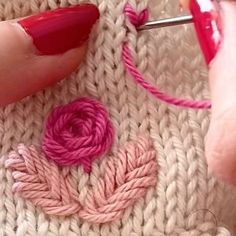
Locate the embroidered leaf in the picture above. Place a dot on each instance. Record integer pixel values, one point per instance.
(127, 176)
(41, 182)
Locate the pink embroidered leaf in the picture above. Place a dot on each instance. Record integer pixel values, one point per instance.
(41, 182)
(126, 177)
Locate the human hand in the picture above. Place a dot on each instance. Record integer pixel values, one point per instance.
(51, 50)
(221, 137)
(37, 51)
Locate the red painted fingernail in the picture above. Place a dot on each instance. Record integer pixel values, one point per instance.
(57, 31)
(207, 23)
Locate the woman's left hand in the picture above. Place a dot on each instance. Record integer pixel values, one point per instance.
(38, 51)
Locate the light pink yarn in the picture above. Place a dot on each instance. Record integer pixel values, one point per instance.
(41, 182)
(137, 20)
(125, 178)
(78, 133)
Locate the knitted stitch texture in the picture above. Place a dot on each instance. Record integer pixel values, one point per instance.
(169, 59)
(137, 19)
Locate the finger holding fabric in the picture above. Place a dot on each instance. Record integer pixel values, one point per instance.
(40, 50)
(221, 137)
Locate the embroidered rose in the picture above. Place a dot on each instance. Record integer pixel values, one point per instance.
(78, 133)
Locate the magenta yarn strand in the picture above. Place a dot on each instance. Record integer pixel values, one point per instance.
(138, 19)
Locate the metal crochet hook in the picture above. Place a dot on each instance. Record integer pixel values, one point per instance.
(180, 20)
(207, 23)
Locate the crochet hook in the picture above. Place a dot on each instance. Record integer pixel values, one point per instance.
(180, 20)
(206, 18)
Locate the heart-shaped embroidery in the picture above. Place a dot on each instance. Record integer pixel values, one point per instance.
(126, 177)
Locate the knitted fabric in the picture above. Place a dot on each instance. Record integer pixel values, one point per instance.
(185, 195)
(137, 19)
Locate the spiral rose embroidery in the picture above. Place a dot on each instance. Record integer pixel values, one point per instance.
(77, 133)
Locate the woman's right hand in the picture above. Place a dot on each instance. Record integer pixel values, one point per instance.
(221, 137)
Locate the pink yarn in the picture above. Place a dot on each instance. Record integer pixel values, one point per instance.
(41, 182)
(137, 20)
(78, 133)
(125, 178)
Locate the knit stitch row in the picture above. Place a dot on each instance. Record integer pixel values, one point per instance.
(137, 19)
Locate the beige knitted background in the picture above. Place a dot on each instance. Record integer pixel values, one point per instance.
(187, 200)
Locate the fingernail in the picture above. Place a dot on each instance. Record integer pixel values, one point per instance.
(55, 32)
(207, 23)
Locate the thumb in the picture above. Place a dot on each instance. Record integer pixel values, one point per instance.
(221, 138)
(36, 52)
